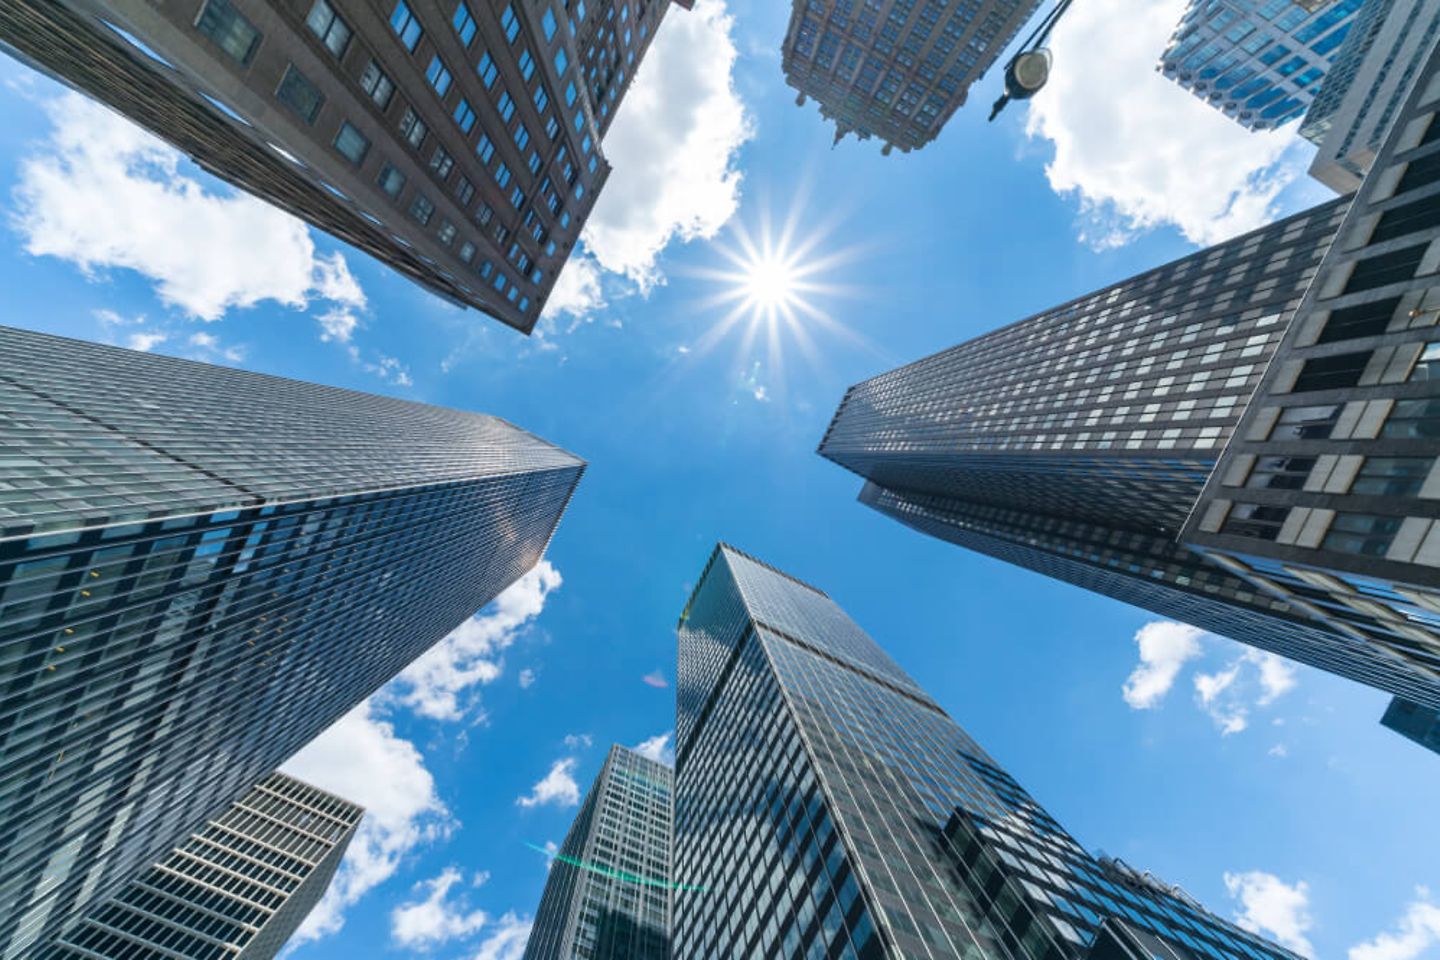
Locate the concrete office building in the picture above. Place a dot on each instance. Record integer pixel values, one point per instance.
(459, 143)
(200, 570)
(608, 893)
(235, 890)
(895, 69)
(827, 806)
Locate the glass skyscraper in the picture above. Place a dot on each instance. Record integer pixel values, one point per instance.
(203, 568)
(1410, 720)
(1261, 62)
(827, 806)
(608, 893)
(235, 890)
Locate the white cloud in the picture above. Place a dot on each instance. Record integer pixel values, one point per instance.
(145, 340)
(209, 348)
(508, 941)
(361, 759)
(527, 678)
(656, 679)
(1277, 675)
(1229, 717)
(435, 920)
(657, 748)
(432, 686)
(557, 787)
(1165, 646)
(1137, 150)
(1272, 907)
(1254, 675)
(102, 193)
(579, 741)
(673, 147)
(337, 325)
(1279, 750)
(1417, 931)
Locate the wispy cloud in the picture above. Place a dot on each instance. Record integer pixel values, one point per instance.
(1417, 930)
(1274, 908)
(656, 679)
(508, 940)
(658, 748)
(435, 919)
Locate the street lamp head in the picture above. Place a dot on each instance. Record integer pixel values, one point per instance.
(1027, 73)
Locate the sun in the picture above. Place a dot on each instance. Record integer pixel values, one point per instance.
(771, 281)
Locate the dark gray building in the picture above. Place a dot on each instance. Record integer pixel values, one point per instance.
(203, 568)
(895, 69)
(459, 143)
(235, 890)
(1328, 495)
(826, 805)
(1421, 724)
(608, 893)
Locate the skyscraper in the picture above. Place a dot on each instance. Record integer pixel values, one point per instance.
(235, 890)
(1328, 494)
(826, 805)
(608, 893)
(1261, 62)
(1366, 86)
(200, 570)
(1410, 720)
(460, 146)
(895, 69)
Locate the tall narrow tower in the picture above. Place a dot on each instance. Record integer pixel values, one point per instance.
(203, 568)
(826, 805)
(608, 893)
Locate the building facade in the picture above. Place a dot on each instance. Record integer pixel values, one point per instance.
(1410, 720)
(1328, 494)
(825, 805)
(1261, 62)
(608, 893)
(235, 890)
(1365, 88)
(461, 146)
(895, 69)
(203, 568)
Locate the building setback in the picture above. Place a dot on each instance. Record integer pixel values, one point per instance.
(1261, 62)
(1365, 88)
(895, 69)
(235, 890)
(825, 805)
(608, 893)
(1328, 494)
(200, 570)
(457, 143)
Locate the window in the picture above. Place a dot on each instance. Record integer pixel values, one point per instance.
(1413, 420)
(1365, 320)
(1361, 533)
(441, 162)
(1428, 366)
(506, 106)
(484, 149)
(467, 252)
(486, 69)
(1306, 423)
(406, 27)
(1392, 476)
(412, 128)
(1331, 373)
(1419, 173)
(375, 83)
(517, 197)
(1280, 473)
(421, 209)
(228, 30)
(352, 144)
(446, 233)
(483, 215)
(561, 62)
(464, 191)
(1386, 268)
(439, 76)
(510, 23)
(570, 94)
(464, 23)
(522, 138)
(1413, 217)
(547, 23)
(327, 25)
(542, 100)
(552, 127)
(464, 115)
(502, 174)
(1254, 520)
(392, 181)
(527, 65)
(299, 94)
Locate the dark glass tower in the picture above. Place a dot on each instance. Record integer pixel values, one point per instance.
(1421, 724)
(203, 568)
(457, 142)
(826, 806)
(608, 893)
(895, 69)
(235, 890)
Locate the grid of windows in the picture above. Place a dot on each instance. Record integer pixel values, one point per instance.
(238, 887)
(202, 568)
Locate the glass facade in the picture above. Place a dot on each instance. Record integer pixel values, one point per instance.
(608, 893)
(1421, 724)
(235, 890)
(200, 570)
(818, 792)
(1262, 62)
(895, 69)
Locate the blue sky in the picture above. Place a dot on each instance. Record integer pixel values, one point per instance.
(1270, 792)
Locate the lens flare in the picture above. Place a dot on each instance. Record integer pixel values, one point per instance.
(621, 875)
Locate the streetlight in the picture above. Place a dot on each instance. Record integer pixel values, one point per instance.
(1028, 70)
